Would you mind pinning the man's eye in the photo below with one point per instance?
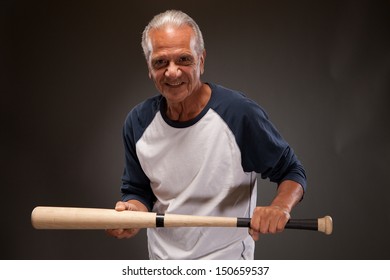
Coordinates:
(185, 60)
(159, 63)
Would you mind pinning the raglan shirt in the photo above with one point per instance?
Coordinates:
(206, 166)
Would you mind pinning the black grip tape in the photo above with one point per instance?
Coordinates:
(307, 224)
(243, 222)
(159, 220)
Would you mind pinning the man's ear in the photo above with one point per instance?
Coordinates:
(202, 61)
(149, 70)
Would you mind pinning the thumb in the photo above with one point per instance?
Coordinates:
(124, 205)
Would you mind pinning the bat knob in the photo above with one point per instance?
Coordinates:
(325, 225)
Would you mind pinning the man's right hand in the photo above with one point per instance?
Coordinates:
(130, 205)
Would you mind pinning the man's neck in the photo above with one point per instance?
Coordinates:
(191, 107)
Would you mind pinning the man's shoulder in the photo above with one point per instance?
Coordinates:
(234, 102)
(148, 106)
(226, 94)
(144, 111)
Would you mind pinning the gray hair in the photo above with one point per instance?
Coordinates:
(176, 18)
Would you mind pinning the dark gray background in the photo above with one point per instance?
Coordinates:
(71, 71)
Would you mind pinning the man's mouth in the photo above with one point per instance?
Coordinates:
(174, 84)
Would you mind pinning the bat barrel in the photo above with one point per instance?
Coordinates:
(43, 217)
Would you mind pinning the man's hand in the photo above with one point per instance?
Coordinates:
(270, 219)
(131, 205)
(273, 218)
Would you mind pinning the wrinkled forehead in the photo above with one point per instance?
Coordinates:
(171, 37)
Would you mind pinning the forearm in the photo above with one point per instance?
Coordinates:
(288, 195)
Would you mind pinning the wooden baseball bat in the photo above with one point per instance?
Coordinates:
(45, 217)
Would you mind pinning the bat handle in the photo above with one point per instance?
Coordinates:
(324, 224)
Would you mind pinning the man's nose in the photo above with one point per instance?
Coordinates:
(172, 71)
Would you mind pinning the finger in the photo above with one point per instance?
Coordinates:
(255, 222)
(255, 234)
(282, 223)
(264, 225)
(120, 206)
(109, 232)
(114, 232)
(128, 233)
(122, 233)
(274, 225)
(131, 206)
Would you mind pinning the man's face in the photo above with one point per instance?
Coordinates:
(174, 66)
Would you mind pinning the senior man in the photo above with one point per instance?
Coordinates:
(196, 148)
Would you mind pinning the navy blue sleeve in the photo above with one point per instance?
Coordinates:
(263, 150)
(135, 183)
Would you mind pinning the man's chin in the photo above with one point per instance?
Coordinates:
(174, 95)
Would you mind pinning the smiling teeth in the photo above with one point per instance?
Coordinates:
(175, 84)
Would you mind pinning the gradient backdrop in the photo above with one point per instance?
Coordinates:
(71, 71)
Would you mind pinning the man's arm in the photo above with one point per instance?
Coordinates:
(273, 218)
(288, 195)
